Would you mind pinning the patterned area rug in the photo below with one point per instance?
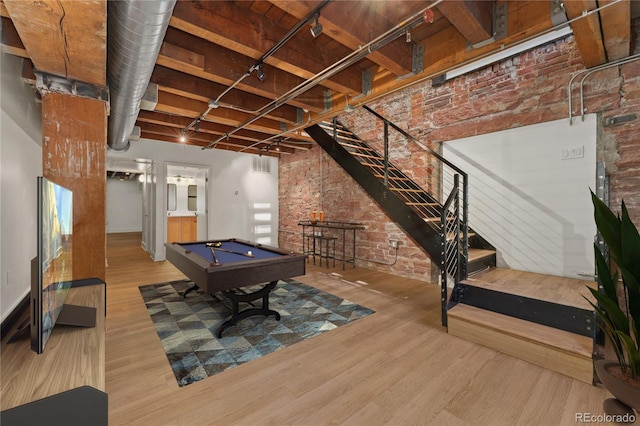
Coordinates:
(187, 326)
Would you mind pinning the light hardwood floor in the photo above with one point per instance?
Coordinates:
(397, 366)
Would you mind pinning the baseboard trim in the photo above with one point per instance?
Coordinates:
(15, 315)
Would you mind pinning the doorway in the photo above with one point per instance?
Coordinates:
(186, 206)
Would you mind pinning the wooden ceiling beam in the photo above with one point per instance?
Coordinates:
(474, 19)
(201, 143)
(177, 123)
(616, 29)
(252, 35)
(354, 24)
(447, 48)
(11, 42)
(64, 37)
(187, 53)
(587, 32)
(205, 138)
(173, 104)
(3, 10)
(187, 85)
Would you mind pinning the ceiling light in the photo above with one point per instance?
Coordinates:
(183, 136)
(260, 73)
(316, 30)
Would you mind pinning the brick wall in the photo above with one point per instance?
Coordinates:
(527, 89)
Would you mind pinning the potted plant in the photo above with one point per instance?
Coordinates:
(618, 307)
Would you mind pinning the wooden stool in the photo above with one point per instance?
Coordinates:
(310, 248)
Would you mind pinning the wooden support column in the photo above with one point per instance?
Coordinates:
(74, 143)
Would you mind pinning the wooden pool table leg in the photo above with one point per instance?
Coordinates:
(236, 298)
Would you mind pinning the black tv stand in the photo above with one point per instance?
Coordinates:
(23, 329)
(77, 316)
(72, 315)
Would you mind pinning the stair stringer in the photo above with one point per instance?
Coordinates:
(426, 236)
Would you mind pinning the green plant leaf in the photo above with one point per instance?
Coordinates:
(608, 225)
(630, 244)
(633, 356)
(611, 311)
(604, 274)
(608, 329)
(632, 292)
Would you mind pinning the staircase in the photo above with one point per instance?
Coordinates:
(519, 313)
(539, 318)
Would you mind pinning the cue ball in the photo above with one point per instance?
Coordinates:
(249, 253)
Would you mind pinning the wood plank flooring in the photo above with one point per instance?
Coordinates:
(398, 366)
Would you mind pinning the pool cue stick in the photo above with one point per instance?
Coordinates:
(228, 251)
(215, 258)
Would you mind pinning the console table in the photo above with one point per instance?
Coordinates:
(71, 367)
(332, 225)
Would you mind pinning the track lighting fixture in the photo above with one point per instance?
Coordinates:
(260, 72)
(316, 30)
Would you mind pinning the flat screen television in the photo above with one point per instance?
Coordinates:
(51, 270)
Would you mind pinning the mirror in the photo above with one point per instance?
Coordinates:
(171, 197)
(192, 198)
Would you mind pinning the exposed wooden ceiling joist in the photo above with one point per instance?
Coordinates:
(211, 48)
(67, 38)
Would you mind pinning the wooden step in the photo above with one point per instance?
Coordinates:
(369, 156)
(402, 178)
(477, 254)
(378, 166)
(556, 350)
(562, 290)
(422, 204)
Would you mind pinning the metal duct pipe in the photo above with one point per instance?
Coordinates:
(135, 30)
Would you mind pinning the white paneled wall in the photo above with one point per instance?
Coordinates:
(529, 194)
(124, 206)
(233, 188)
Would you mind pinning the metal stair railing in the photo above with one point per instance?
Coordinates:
(450, 264)
(447, 171)
(448, 219)
(402, 185)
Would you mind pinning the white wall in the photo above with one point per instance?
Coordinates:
(20, 164)
(232, 190)
(528, 199)
(124, 206)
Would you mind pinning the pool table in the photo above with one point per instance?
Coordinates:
(225, 266)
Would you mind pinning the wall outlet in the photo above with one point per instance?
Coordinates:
(393, 243)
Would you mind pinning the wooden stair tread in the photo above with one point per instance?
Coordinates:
(356, 146)
(475, 253)
(422, 204)
(551, 288)
(360, 154)
(380, 166)
(557, 350)
(393, 177)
